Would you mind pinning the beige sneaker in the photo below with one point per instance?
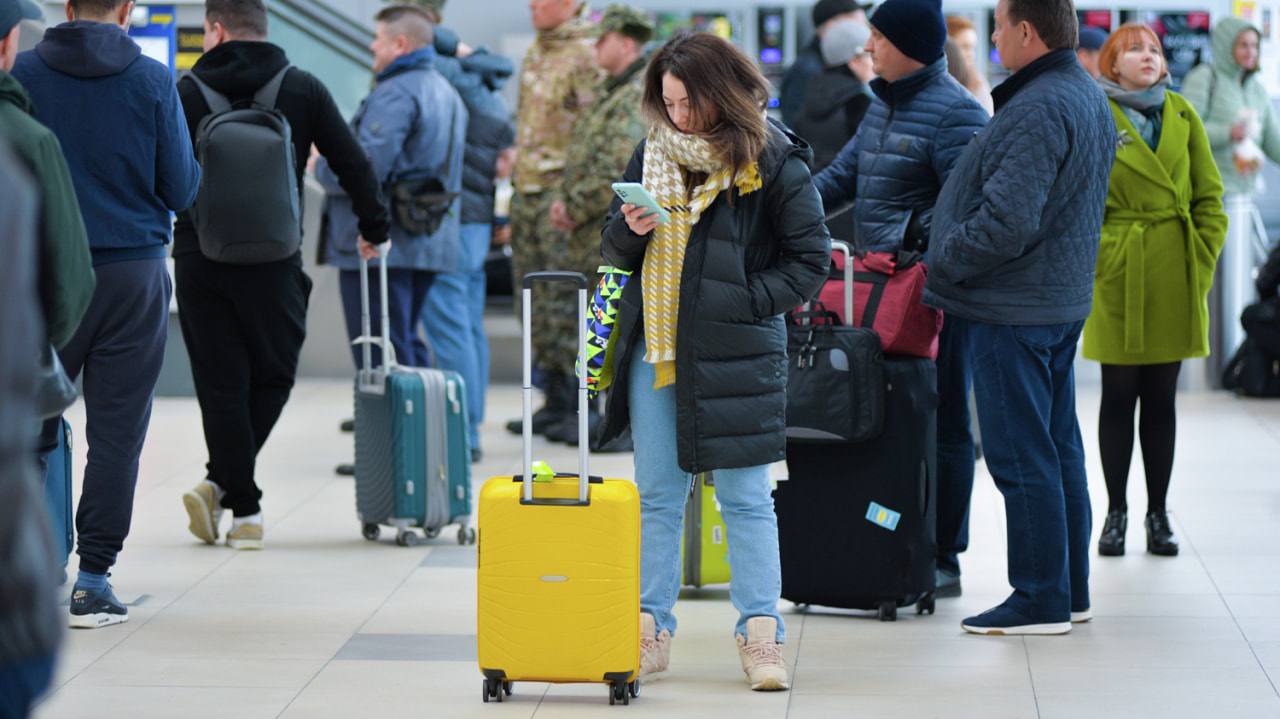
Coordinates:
(246, 536)
(761, 656)
(204, 511)
(655, 649)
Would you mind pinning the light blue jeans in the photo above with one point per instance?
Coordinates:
(746, 500)
(453, 319)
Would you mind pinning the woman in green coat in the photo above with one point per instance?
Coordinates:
(1163, 231)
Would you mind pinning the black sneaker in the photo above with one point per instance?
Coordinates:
(93, 610)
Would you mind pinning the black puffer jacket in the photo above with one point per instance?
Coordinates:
(745, 265)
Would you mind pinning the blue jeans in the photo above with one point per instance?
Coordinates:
(453, 318)
(406, 293)
(955, 447)
(1024, 381)
(22, 683)
(746, 501)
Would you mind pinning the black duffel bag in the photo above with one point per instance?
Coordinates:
(835, 380)
(1261, 322)
(1253, 372)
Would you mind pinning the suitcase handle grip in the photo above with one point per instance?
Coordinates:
(584, 437)
(844, 249)
(370, 379)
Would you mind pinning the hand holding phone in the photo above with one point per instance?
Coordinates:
(633, 193)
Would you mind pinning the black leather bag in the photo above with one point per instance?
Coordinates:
(1253, 372)
(1261, 322)
(421, 205)
(55, 391)
(835, 380)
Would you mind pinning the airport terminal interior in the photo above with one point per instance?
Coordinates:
(327, 623)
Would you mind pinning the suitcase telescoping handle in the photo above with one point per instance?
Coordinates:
(844, 249)
(370, 379)
(526, 311)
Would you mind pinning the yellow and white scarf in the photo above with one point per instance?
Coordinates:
(666, 153)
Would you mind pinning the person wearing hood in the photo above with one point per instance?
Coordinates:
(927, 118)
(412, 126)
(703, 389)
(244, 324)
(1232, 100)
(558, 82)
(118, 117)
(453, 318)
(1161, 236)
(809, 63)
(66, 278)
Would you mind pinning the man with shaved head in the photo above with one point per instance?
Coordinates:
(413, 128)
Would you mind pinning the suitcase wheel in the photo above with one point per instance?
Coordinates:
(926, 605)
(494, 689)
(634, 688)
(371, 532)
(619, 693)
(432, 533)
(888, 612)
(506, 688)
(406, 538)
(466, 535)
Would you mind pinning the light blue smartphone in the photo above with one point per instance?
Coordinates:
(633, 193)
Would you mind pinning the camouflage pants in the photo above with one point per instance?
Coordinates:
(537, 246)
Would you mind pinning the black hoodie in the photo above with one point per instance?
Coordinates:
(238, 69)
(834, 104)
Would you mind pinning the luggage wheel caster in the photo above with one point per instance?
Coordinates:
(466, 535)
(619, 693)
(495, 689)
(431, 533)
(506, 688)
(371, 532)
(407, 539)
(926, 605)
(888, 612)
(634, 688)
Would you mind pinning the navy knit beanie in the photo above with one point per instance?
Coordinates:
(916, 27)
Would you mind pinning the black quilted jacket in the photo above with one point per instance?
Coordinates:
(1016, 228)
(745, 265)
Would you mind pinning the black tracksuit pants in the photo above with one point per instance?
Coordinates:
(243, 326)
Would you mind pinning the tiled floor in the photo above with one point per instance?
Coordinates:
(325, 624)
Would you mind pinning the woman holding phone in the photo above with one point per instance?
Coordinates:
(1163, 231)
(701, 352)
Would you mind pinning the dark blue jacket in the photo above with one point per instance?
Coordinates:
(895, 166)
(1016, 229)
(479, 79)
(122, 130)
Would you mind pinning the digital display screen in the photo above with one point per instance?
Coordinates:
(770, 55)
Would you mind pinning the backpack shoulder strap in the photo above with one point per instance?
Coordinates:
(216, 101)
(267, 95)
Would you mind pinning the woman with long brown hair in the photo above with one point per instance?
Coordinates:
(700, 359)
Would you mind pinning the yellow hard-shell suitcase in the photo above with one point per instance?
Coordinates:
(558, 598)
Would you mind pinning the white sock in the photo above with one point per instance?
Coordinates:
(238, 522)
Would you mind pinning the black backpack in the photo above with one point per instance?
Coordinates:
(247, 211)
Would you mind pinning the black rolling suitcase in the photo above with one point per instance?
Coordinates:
(856, 521)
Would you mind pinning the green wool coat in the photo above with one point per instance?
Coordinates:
(1163, 231)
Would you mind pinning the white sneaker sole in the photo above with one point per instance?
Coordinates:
(245, 544)
(1024, 630)
(1082, 617)
(771, 684)
(96, 621)
(201, 518)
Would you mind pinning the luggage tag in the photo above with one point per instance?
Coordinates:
(542, 472)
(883, 517)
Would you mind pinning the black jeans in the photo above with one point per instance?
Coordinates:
(243, 326)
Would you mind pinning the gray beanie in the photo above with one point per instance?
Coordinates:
(844, 41)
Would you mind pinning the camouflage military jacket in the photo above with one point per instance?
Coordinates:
(604, 139)
(557, 80)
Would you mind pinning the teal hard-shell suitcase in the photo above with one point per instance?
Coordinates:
(413, 454)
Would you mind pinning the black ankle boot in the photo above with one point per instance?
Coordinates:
(560, 402)
(1160, 539)
(1111, 543)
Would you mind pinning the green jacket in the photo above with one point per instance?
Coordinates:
(605, 136)
(66, 276)
(1161, 236)
(1219, 92)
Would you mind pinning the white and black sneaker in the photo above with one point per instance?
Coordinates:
(93, 610)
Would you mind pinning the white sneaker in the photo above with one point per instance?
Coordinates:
(1082, 617)
(761, 656)
(655, 649)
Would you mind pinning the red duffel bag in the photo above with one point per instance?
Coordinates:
(887, 291)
